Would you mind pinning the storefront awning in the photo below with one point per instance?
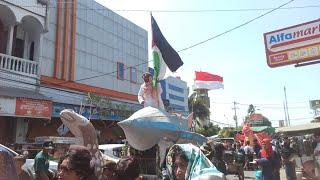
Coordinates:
(300, 129)
(16, 92)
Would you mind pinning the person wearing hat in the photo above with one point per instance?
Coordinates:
(149, 95)
(41, 162)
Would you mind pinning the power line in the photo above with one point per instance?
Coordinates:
(175, 11)
(202, 42)
(105, 74)
(189, 47)
(265, 105)
(234, 28)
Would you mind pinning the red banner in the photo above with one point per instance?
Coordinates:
(33, 108)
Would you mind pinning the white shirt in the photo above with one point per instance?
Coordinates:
(150, 99)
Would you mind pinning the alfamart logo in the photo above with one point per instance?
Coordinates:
(302, 33)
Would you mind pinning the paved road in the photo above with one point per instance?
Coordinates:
(251, 175)
(247, 175)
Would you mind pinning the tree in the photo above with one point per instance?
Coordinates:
(200, 111)
(209, 130)
(102, 106)
(227, 132)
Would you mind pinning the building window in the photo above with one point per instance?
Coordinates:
(176, 107)
(133, 74)
(120, 70)
(175, 88)
(178, 98)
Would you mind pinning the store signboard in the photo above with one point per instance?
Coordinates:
(295, 44)
(33, 108)
(7, 106)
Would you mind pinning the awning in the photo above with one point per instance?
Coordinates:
(266, 129)
(300, 129)
(16, 92)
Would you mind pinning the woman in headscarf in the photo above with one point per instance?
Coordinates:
(186, 162)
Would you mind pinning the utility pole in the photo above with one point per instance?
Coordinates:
(235, 113)
(285, 113)
(285, 96)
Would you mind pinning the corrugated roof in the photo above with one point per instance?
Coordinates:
(16, 92)
(303, 128)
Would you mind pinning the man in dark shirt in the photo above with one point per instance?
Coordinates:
(287, 155)
(41, 162)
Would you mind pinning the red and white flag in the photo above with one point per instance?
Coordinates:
(209, 81)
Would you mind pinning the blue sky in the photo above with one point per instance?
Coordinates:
(238, 56)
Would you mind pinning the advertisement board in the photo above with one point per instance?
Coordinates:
(7, 106)
(33, 108)
(295, 44)
(315, 104)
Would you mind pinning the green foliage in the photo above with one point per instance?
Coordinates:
(227, 132)
(210, 130)
(102, 106)
(198, 107)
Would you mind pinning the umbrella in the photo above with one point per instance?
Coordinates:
(146, 127)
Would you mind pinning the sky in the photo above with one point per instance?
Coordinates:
(238, 56)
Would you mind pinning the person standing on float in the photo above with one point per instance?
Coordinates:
(149, 95)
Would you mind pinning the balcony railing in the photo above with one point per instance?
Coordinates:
(19, 65)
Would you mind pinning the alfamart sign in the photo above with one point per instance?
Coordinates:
(295, 44)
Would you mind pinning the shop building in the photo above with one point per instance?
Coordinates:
(60, 51)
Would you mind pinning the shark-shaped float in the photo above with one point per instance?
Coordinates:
(150, 126)
(144, 129)
(84, 131)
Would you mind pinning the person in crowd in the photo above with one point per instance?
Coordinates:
(270, 162)
(186, 162)
(287, 154)
(41, 162)
(75, 165)
(239, 155)
(316, 152)
(149, 95)
(276, 158)
(248, 150)
(127, 169)
(109, 169)
(265, 162)
(22, 171)
(217, 160)
(7, 165)
(256, 147)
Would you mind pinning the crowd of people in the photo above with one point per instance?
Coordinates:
(182, 161)
(267, 157)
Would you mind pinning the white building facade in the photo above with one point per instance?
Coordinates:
(59, 51)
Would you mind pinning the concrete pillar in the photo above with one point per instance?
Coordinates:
(26, 46)
(21, 130)
(10, 40)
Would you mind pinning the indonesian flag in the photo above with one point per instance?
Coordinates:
(209, 81)
(163, 54)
